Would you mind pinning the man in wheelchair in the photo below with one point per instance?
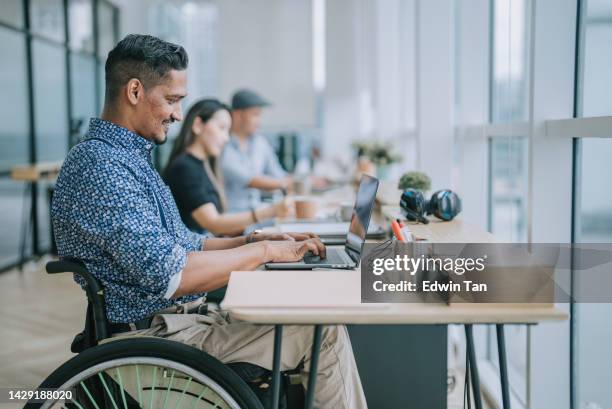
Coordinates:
(112, 210)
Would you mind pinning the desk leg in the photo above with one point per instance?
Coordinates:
(314, 363)
(469, 336)
(276, 373)
(26, 222)
(503, 368)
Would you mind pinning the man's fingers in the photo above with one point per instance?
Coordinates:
(320, 247)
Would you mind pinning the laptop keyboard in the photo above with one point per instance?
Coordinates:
(332, 257)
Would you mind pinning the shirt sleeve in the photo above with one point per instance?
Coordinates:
(173, 285)
(131, 232)
(234, 171)
(272, 166)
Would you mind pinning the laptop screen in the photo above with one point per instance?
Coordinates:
(360, 220)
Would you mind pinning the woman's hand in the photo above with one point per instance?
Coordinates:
(255, 237)
(283, 208)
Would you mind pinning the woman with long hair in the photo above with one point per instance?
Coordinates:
(194, 177)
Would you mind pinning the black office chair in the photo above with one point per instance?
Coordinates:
(147, 371)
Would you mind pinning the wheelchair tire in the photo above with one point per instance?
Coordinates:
(185, 366)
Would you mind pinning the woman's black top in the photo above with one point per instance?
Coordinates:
(191, 188)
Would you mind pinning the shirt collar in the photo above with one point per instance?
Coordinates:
(236, 143)
(118, 135)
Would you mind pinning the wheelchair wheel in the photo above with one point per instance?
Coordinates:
(146, 373)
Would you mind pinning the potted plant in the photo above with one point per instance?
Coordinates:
(414, 180)
(379, 154)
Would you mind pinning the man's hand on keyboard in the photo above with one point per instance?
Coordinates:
(290, 251)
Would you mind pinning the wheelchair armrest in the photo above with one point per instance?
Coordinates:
(66, 266)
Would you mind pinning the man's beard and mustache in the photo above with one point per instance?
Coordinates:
(166, 125)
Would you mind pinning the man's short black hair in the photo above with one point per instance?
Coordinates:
(144, 57)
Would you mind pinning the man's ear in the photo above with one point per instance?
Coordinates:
(134, 91)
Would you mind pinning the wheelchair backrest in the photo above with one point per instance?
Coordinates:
(94, 290)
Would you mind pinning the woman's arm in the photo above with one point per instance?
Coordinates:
(232, 224)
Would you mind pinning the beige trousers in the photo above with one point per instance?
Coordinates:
(338, 385)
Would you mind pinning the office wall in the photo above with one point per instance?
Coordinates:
(267, 45)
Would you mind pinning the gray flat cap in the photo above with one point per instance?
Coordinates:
(246, 98)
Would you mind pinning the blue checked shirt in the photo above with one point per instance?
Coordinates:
(112, 211)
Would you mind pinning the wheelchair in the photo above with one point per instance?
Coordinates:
(149, 372)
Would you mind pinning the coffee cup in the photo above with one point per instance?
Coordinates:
(305, 207)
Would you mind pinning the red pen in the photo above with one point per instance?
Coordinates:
(397, 231)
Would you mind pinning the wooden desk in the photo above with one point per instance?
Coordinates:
(32, 174)
(334, 297)
(36, 172)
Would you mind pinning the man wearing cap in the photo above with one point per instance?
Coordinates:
(248, 162)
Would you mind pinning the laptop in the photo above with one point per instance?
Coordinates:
(349, 256)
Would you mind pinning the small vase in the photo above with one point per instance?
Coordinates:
(383, 172)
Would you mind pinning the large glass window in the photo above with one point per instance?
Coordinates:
(80, 24)
(597, 65)
(509, 173)
(12, 212)
(593, 211)
(106, 24)
(83, 86)
(55, 127)
(50, 101)
(47, 18)
(508, 159)
(14, 126)
(510, 67)
(12, 12)
(593, 224)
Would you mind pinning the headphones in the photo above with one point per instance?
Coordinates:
(444, 204)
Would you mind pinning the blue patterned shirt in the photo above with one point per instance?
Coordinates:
(112, 211)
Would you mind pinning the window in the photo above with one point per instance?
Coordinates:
(12, 208)
(508, 159)
(47, 19)
(50, 101)
(12, 13)
(509, 188)
(593, 210)
(54, 126)
(83, 86)
(593, 224)
(14, 125)
(510, 79)
(80, 23)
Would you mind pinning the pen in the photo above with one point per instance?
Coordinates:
(397, 231)
(406, 234)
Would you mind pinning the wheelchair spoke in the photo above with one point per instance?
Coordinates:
(199, 397)
(140, 402)
(168, 391)
(121, 386)
(178, 404)
(89, 395)
(110, 395)
(153, 386)
(77, 404)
